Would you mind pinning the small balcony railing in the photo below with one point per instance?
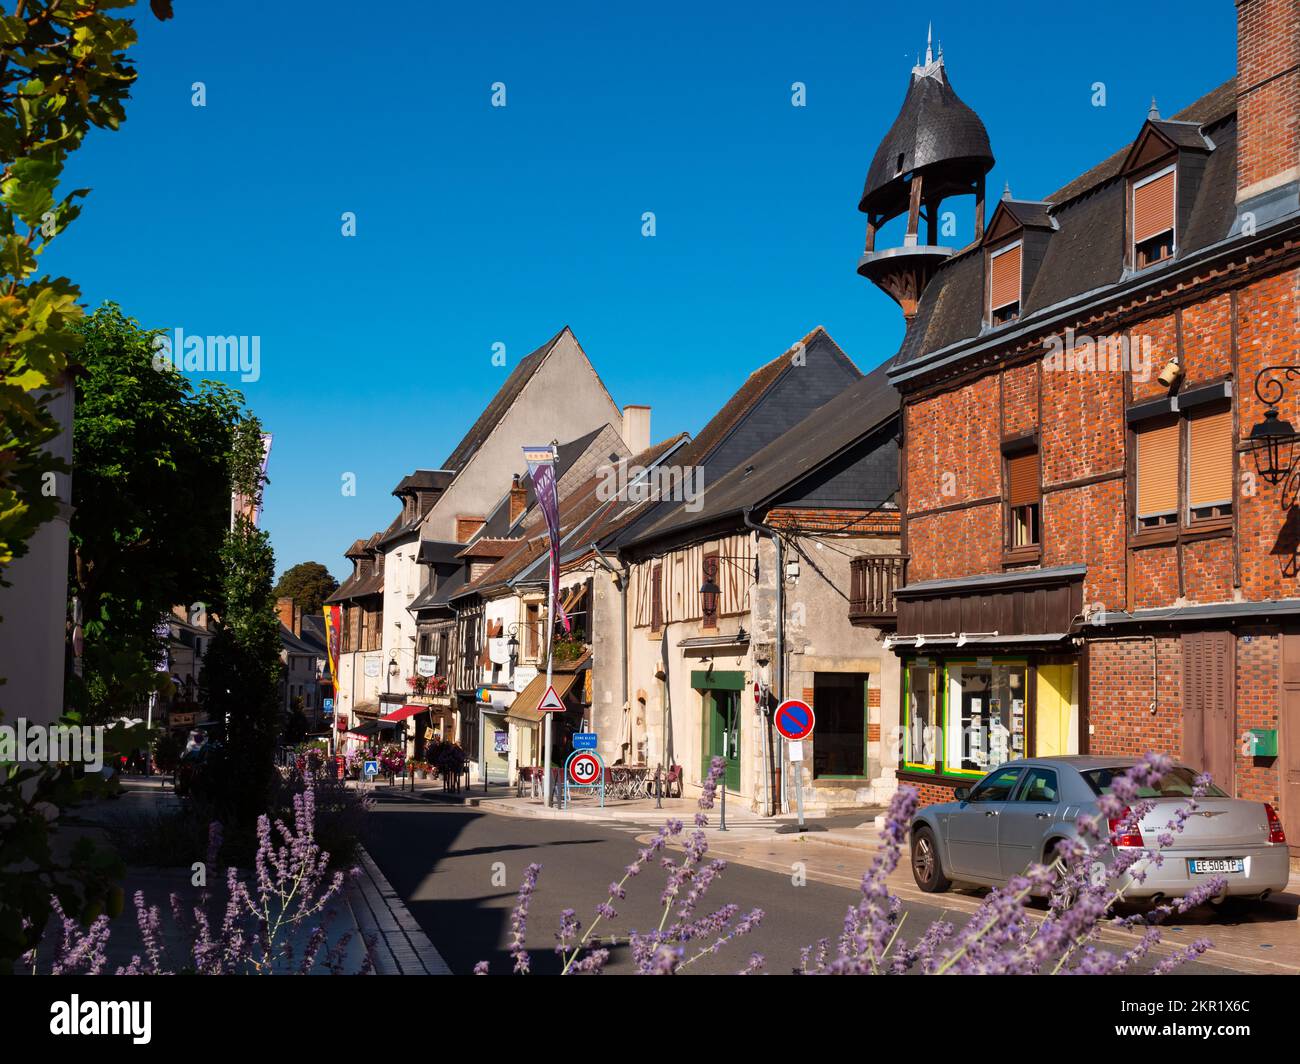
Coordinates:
(873, 579)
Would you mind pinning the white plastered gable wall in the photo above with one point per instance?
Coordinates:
(563, 399)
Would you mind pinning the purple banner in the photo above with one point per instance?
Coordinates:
(541, 467)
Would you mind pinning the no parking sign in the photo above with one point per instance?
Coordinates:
(794, 719)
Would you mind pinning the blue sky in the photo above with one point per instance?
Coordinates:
(478, 225)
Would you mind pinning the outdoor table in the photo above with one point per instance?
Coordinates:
(628, 781)
(530, 781)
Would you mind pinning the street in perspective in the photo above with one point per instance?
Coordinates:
(649, 491)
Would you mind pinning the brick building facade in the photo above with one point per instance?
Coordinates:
(1095, 563)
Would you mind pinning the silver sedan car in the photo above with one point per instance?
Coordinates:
(1016, 814)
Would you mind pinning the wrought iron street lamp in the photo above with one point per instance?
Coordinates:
(709, 590)
(1273, 440)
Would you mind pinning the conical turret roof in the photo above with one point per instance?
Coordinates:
(935, 133)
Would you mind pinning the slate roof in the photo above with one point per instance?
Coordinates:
(1210, 109)
(500, 403)
(1085, 253)
(584, 517)
(1028, 213)
(425, 479)
(433, 551)
(774, 398)
(357, 586)
(860, 410)
(498, 522)
(294, 645)
(933, 126)
(313, 629)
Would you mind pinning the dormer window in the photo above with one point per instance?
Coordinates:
(1004, 284)
(1153, 200)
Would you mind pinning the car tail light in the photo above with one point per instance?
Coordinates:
(1275, 832)
(1119, 835)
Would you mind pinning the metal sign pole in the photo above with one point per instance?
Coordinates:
(148, 736)
(550, 642)
(798, 787)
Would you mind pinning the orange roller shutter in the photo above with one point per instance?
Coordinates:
(1004, 277)
(1209, 463)
(1153, 207)
(1022, 479)
(1157, 470)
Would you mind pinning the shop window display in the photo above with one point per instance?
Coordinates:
(922, 716)
(986, 715)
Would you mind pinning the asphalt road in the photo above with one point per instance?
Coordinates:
(458, 871)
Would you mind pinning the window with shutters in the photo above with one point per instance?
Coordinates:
(1023, 500)
(1004, 284)
(1153, 201)
(1157, 474)
(1210, 466)
(532, 631)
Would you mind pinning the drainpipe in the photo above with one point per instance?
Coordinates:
(778, 677)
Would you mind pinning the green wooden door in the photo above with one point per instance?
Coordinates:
(722, 723)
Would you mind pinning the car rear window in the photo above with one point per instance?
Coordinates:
(1176, 783)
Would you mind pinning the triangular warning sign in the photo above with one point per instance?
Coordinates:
(551, 702)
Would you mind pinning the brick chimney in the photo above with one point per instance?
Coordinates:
(636, 428)
(1268, 95)
(284, 607)
(518, 499)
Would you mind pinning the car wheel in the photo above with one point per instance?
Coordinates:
(1062, 893)
(927, 869)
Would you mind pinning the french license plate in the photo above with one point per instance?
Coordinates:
(1215, 865)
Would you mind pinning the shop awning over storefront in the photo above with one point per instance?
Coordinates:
(405, 712)
(713, 642)
(524, 708)
(368, 728)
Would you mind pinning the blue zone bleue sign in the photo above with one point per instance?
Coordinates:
(584, 740)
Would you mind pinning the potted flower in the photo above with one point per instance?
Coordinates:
(392, 760)
(569, 647)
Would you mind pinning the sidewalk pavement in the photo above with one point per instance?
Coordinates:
(371, 910)
(1254, 937)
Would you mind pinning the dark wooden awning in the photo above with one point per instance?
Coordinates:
(1045, 603)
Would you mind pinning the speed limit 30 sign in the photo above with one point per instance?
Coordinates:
(584, 769)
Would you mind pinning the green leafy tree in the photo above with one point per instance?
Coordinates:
(240, 681)
(151, 505)
(63, 71)
(309, 584)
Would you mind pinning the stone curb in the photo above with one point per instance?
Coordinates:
(398, 946)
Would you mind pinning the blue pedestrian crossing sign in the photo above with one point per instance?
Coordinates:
(371, 769)
(794, 719)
